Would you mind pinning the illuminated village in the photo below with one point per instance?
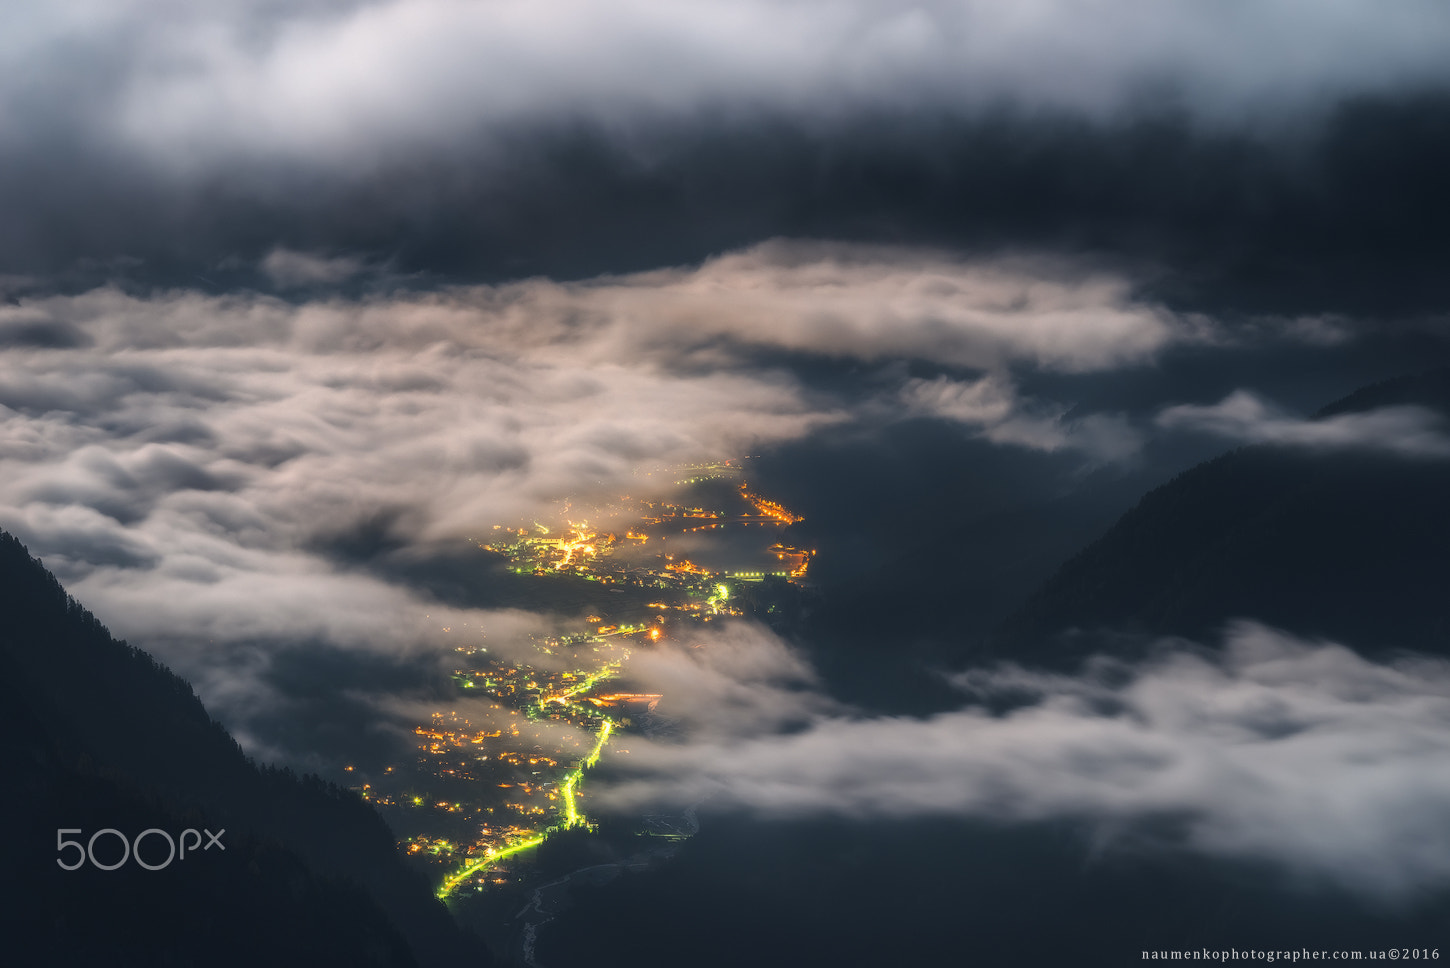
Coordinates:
(507, 768)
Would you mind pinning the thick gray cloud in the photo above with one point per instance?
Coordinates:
(1300, 753)
(1407, 431)
(1272, 158)
(349, 82)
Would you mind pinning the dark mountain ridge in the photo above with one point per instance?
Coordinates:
(1348, 544)
(101, 735)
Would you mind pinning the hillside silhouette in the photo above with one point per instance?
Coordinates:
(1347, 544)
(98, 734)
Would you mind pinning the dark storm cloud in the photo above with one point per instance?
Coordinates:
(1271, 157)
(343, 82)
(1344, 219)
(1300, 753)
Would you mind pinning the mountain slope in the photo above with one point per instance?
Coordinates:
(1349, 545)
(99, 735)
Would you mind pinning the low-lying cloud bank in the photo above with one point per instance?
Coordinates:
(189, 464)
(1242, 417)
(1301, 753)
(210, 474)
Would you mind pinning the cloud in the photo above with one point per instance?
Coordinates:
(1405, 431)
(991, 405)
(166, 145)
(289, 269)
(877, 303)
(155, 141)
(733, 680)
(1300, 753)
(346, 81)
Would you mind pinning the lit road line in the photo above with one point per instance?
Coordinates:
(571, 818)
(451, 882)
